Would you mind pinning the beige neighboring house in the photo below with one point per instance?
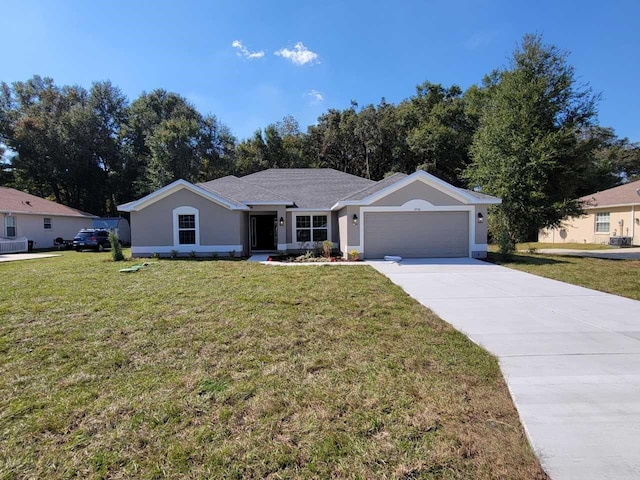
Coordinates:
(417, 215)
(41, 221)
(610, 214)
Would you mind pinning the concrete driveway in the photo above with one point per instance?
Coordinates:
(12, 257)
(570, 356)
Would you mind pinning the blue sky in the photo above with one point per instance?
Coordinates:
(360, 50)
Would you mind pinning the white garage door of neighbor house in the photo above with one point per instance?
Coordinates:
(416, 234)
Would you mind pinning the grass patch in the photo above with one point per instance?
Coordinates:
(235, 370)
(620, 277)
(529, 246)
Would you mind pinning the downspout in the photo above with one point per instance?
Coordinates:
(633, 224)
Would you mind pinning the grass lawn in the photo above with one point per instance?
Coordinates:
(620, 277)
(526, 246)
(226, 369)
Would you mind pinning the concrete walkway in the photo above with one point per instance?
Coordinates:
(570, 356)
(632, 253)
(12, 257)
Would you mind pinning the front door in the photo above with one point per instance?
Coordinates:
(263, 232)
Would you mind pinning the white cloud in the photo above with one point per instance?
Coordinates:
(480, 40)
(244, 52)
(300, 55)
(315, 96)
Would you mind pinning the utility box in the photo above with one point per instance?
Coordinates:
(117, 224)
(620, 241)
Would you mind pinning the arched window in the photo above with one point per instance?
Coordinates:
(186, 226)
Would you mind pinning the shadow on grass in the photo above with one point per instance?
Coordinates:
(499, 259)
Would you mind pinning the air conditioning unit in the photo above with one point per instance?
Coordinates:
(620, 241)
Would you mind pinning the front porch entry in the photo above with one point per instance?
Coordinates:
(263, 232)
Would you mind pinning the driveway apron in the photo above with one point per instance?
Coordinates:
(570, 357)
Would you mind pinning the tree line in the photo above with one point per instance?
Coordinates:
(527, 133)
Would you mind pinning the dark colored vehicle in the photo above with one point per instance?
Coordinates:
(91, 238)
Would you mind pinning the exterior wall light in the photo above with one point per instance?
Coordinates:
(354, 219)
(281, 221)
(480, 218)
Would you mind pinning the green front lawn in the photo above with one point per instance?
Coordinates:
(529, 246)
(620, 277)
(219, 369)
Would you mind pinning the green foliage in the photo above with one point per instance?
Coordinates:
(268, 376)
(116, 248)
(527, 149)
(327, 246)
(524, 134)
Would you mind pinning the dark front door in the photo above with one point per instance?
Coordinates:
(263, 232)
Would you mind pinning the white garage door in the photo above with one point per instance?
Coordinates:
(416, 234)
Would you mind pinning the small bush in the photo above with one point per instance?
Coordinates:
(116, 248)
(354, 255)
(327, 246)
(174, 254)
(505, 244)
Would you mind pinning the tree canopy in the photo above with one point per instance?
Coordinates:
(527, 133)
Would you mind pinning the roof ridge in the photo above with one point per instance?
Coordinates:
(372, 185)
(45, 207)
(240, 179)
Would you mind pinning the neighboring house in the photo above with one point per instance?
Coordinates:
(415, 215)
(37, 219)
(118, 224)
(610, 213)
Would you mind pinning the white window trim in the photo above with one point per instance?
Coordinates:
(50, 223)
(185, 210)
(14, 226)
(294, 222)
(595, 223)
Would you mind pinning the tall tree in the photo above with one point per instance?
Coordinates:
(527, 148)
(440, 133)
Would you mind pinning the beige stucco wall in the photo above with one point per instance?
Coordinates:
(582, 229)
(32, 227)
(415, 190)
(481, 228)
(280, 211)
(153, 225)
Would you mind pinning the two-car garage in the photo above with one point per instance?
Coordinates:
(416, 234)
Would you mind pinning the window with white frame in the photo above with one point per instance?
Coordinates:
(186, 229)
(10, 226)
(47, 223)
(602, 222)
(312, 228)
(185, 226)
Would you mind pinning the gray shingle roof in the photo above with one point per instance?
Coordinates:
(478, 195)
(317, 188)
(240, 190)
(313, 188)
(376, 187)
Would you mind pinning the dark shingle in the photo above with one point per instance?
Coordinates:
(317, 188)
(240, 190)
(375, 188)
